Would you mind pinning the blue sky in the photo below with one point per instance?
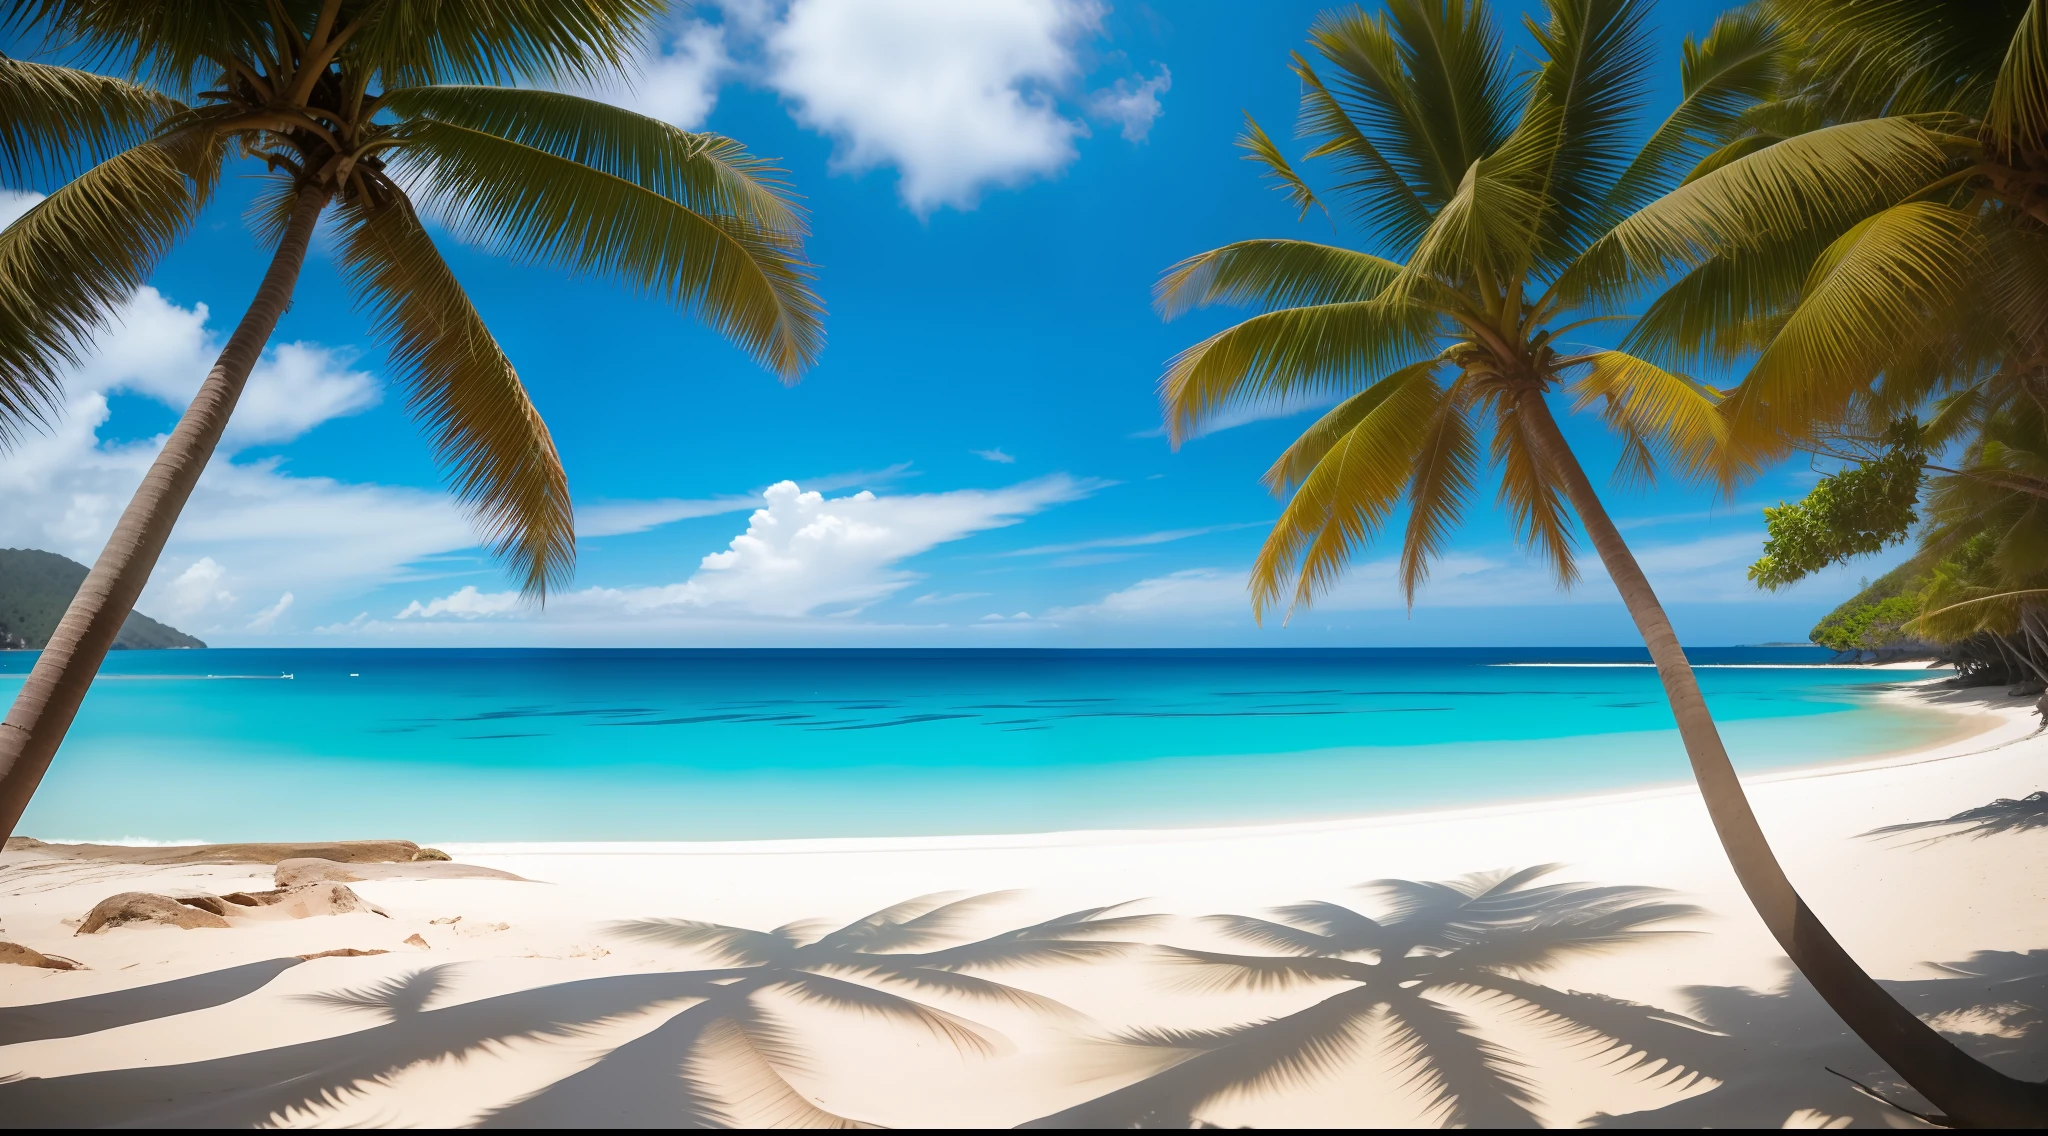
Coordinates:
(994, 188)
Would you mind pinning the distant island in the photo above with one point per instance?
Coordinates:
(36, 587)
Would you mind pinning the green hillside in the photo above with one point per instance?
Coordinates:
(35, 588)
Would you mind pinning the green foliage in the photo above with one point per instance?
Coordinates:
(1870, 620)
(1852, 513)
(36, 587)
(1499, 196)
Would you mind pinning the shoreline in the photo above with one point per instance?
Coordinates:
(509, 976)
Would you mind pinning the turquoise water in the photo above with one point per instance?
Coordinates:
(689, 745)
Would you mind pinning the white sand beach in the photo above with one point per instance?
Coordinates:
(527, 1005)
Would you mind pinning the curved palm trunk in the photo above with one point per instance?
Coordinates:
(42, 712)
(1969, 1092)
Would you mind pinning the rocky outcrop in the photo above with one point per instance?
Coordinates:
(18, 955)
(307, 870)
(324, 897)
(132, 907)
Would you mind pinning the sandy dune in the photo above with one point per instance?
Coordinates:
(531, 1004)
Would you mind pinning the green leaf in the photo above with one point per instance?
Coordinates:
(484, 430)
(56, 120)
(1273, 274)
(749, 283)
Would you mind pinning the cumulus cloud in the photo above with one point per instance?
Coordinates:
(1131, 104)
(956, 96)
(162, 351)
(617, 518)
(802, 554)
(198, 591)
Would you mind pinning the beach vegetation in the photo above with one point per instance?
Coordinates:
(363, 113)
(1517, 209)
(1404, 982)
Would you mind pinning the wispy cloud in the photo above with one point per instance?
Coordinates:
(1139, 540)
(995, 455)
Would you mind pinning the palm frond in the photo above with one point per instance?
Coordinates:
(2017, 118)
(1446, 467)
(1260, 148)
(1884, 274)
(1348, 494)
(1292, 353)
(1533, 498)
(533, 41)
(710, 174)
(1738, 62)
(1425, 78)
(71, 261)
(1832, 176)
(54, 120)
(1272, 274)
(1348, 930)
(751, 284)
(1299, 459)
(1595, 54)
(1377, 193)
(1644, 401)
(483, 428)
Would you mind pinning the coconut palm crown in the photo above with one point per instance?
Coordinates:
(368, 111)
(1490, 189)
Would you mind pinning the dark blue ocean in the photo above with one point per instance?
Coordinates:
(488, 745)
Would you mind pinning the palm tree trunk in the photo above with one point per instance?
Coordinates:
(1970, 1093)
(48, 701)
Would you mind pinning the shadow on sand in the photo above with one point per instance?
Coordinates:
(722, 1058)
(1773, 1051)
(2000, 816)
(93, 1013)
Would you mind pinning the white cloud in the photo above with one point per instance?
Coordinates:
(955, 96)
(162, 351)
(617, 518)
(941, 598)
(1132, 105)
(676, 78)
(995, 455)
(197, 590)
(266, 618)
(467, 603)
(802, 554)
(1135, 541)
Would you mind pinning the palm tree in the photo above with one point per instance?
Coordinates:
(727, 1054)
(1477, 937)
(1517, 212)
(362, 105)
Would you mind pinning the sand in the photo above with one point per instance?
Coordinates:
(523, 1002)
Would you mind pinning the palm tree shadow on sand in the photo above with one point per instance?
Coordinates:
(1784, 1056)
(722, 1059)
(1474, 939)
(728, 1060)
(2000, 816)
